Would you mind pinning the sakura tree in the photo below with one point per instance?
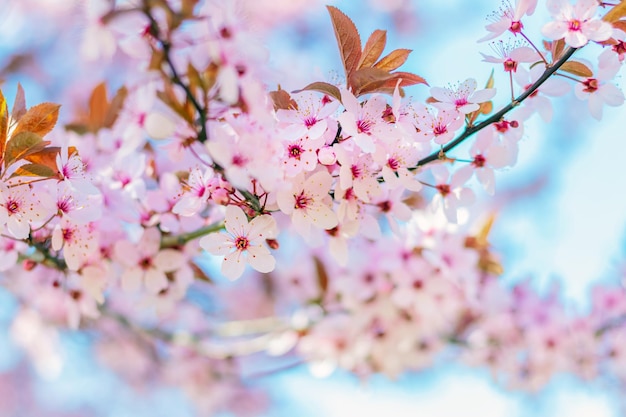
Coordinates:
(190, 216)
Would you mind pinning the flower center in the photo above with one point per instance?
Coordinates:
(310, 121)
(444, 189)
(145, 263)
(13, 206)
(440, 130)
(302, 201)
(363, 126)
(574, 25)
(393, 163)
(295, 151)
(510, 65)
(591, 85)
(242, 243)
(356, 171)
(479, 161)
(516, 27)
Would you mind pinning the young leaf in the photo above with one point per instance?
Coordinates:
(34, 170)
(98, 105)
(322, 276)
(322, 87)
(347, 38)
(620, 24)
(373, 48)
(577, 68)
(367, 80)
(393, 60)
(48, 156)
(4, 122)
(21, 145)
(39, 119)
(616, 13)
(19, 105)
(282, 100)
(558, 47)
(408, 78)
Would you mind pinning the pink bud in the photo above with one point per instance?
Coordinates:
(326, 156)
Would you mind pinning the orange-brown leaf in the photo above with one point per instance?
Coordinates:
(114, 107)
(367, 80)
(322, 87)
(48, 156)
(373, 48)
(39, 119)
(322, 275)
(347, 38)
(557, 49)
(19, 104)
(408, 78)
(98, 105)
(616, 13)
(4, 122)
(21, 145)
(620, 24)
(35, 170)
(393, 60)
(577, 68)
(282, 100)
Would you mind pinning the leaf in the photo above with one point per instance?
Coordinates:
(367, 80)
(187, 6)
(282, 100)
(408, 78)
(322, 87)
(39, 119)
(557, 49)
(4, 122)
(23, 144)
(373, 48)
(348, 39)
(322, 276)
(620, 24)
(486, 107)
(577, 68)
(616, 13)
(48, 156)
(35, 170)
(393, 60)
(98, 104)
(490, 81)
(114, 107)
(19, 105)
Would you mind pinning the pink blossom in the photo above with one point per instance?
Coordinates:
(576, 23)
(243, 242)
(146, 262)
(308, 202)
(464, 98)
(599, 91)
(363, 123)
(509, 18)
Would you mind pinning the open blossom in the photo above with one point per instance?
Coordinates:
(243, 242)
(197, 193)
(146, 262)
(440, 127)
(308, 202)
(509, 18)
(599, 91)
(510, 55)
(78, 241)
(464, 98)
(19, 208)
(576, 23)
(363, 123)
(309, 118)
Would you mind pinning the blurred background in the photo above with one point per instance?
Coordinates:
(560, 213)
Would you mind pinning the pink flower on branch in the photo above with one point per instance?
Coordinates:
(509, 18)
(576, 23)
(243, 242)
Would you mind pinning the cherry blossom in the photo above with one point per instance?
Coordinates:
(576, 23)
(464, 98)
(599, 91)
(242, 243)
(146, 263)
(509, 18)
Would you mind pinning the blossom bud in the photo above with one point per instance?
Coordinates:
(28, 264)
(272, 243)
(326, 156)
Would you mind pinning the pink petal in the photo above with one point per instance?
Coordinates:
(131, 279)
(260, 259)
(217, 243)
(155, 280)
(169, 260)
(233, 265)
